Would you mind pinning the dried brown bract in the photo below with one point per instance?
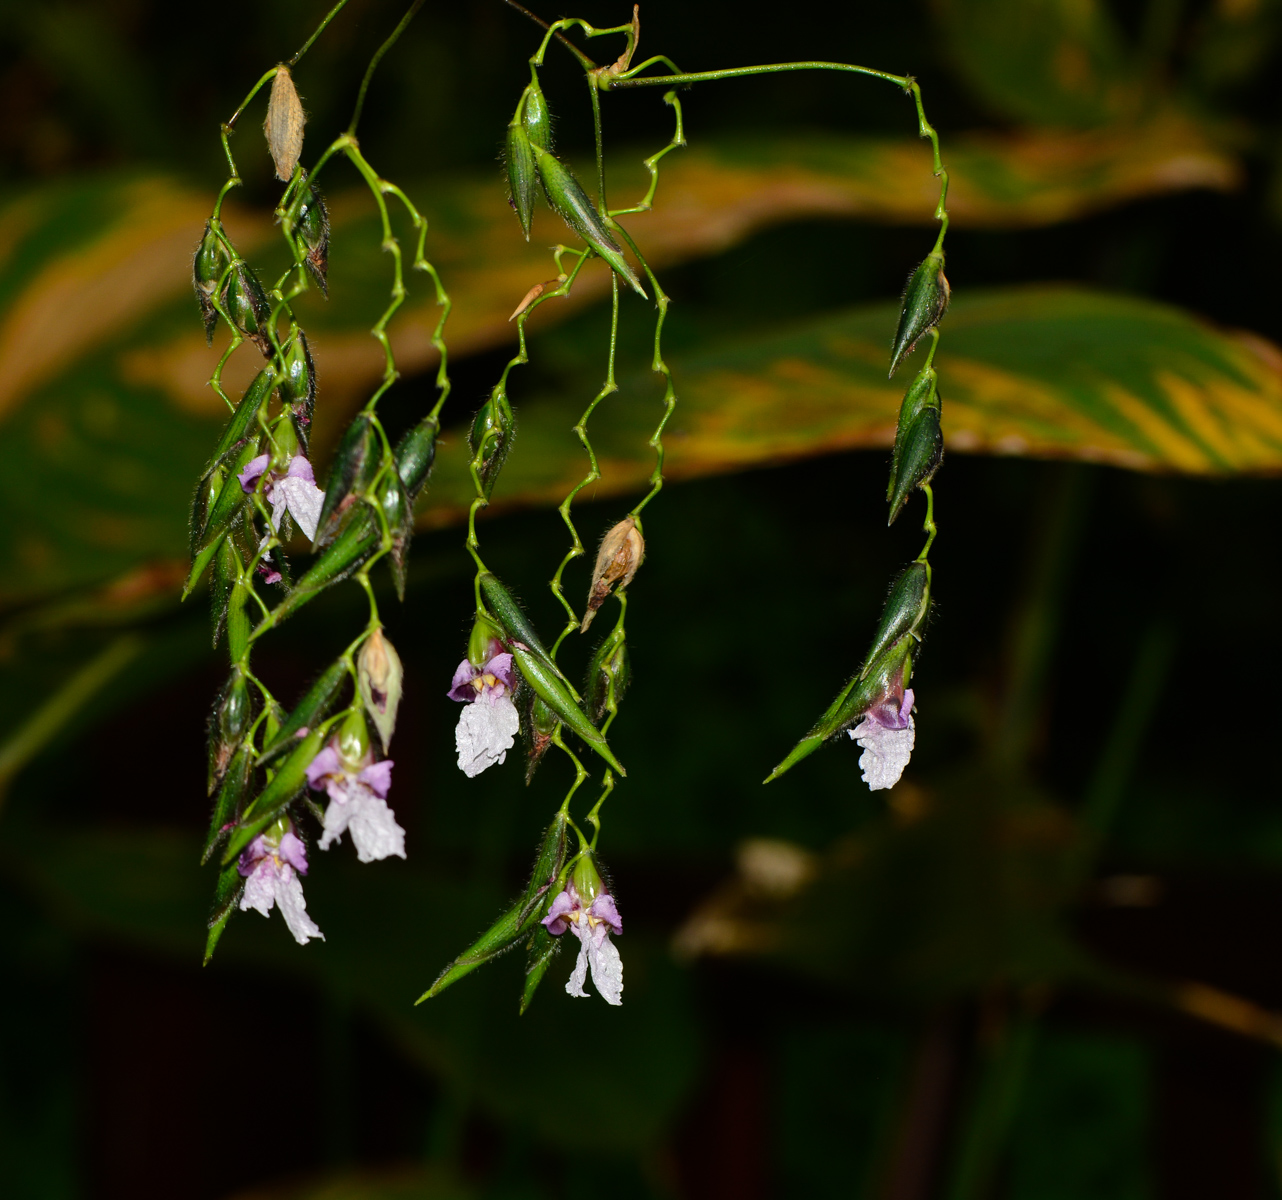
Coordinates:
(284, 124)
(617, 561)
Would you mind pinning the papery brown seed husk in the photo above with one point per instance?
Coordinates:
(622, 550)
(284, 124)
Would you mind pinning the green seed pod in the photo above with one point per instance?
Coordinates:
(229, 721)
(207, 270)
(518, 920)
(923, 451)
(313, 707)
(248, 306)
(510, 616)
(905, 609)
(924, 303)
(483, 642)
(226, 896)
(231, 795)
(608, 677)
(399, 514)
(557, 695)
(289, 780)
(538, 727)
(206, 493)
(238, 428)
(521, 175)
(353, 546)
(578, 212)
(313, 228)
(353, 738)
(536, 117)
(921, 392)
(238, 622)
(221, 579)
(298, 385)
(356, 462)
(490, 438)
(541, 949)
(415, 453)
(229, 504)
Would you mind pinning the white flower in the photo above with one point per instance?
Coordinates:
(488, 725)
(272, 868)
(592, 926)
(356, 802)
(887, 736)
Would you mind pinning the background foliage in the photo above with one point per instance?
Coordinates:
(1046, 969)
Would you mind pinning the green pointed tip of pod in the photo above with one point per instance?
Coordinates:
(580, 214)
(919, 459)
(542, 950)
(807, 745)
(903, 612)
(925, 300)
(921, 392)
(521, 175)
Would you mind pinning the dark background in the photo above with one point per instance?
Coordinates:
(883, 1062)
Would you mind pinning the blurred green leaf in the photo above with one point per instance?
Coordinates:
(405, 1184)
(1051, 62)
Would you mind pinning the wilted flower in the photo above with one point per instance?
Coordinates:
(271, 865)
(887, 735)
(294, 489)
(488, 725)
(592, 926)
(357, 802)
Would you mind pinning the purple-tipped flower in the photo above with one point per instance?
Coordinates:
(294, 489)
(271, 865)
(592, 926)
(887, 736)
(488, 725)
(357, 802)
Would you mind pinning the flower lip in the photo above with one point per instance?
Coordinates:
(492, 680)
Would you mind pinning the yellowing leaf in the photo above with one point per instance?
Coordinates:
(1039, 372)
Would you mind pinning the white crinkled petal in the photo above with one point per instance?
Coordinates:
(278, 499)
(375, 833)
(886, 752)
(304, 500)
(260, 888)
(485, 733)
(607, 969)
(578, 977)
(337, 815)
(293, 907)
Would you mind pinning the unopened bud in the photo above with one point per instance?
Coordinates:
(230, 720)
(248, 306)
(298, 385)
(484, 642)
(379, 675)
(521, 174)
(587, 879)
(313, 228)
(922, 452)
(355, 464)
(284, 124)
(353, 738)
(609, 674)
(905, 609)
(491, 437)
(207, 270)
(924, 303)
(622, 550)
(536, 117)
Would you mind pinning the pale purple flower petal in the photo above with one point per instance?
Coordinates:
(293, 852)
(300, 468)
(484, 735)
(377, 777)
(500, 668)
(557, 917)
(325, 763)
(461, 688)
(606, 911)
(253, 469)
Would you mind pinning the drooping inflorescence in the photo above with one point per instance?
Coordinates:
(267, 764)
(271, 768)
